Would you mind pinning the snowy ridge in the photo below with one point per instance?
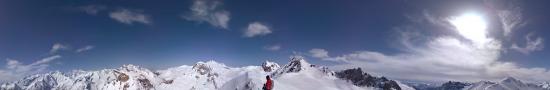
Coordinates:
(508, 83)
(270, 66)
(545, 85)
(298, 74)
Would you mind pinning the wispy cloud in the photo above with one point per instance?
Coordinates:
(210, 11)
(58, 47)
(276, 47)
(46, 60)
(531, 45)
(93, 9)
(16, 70)
(85, 48)
(128, 16)
(509, 14)
(256, 29)
(442, 57)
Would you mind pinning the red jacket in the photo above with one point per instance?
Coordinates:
(269, 84)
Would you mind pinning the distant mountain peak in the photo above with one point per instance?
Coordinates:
(359, 78)
(295, 65)
(209, 75)
(510, 79)
(268, 66)
(507, 83)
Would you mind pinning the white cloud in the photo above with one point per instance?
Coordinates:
(210, 11)
(46, 60)
(530, 45)
(509, 14)
(12, 63)
(273, 47)
(57, 47)
(93, 9)
(127, 16)
(85, 48)
(319, 53)
(16, 70)
(443, 57)
(256, 29)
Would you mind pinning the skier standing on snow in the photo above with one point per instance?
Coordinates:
(268, 84)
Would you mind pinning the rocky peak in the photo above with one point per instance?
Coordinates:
(268, 66)
(511, 80)
(295, 65)
(359, 78)
(452, 85)
(202, 68)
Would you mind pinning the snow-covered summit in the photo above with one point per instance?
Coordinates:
(298, 74)
(508, 83)
(545, 85)
(296, 64)
(268, 66)
(511, 80)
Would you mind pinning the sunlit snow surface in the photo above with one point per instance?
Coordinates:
(210, 75)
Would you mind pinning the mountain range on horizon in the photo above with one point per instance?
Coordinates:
(235, 44)
(298, 74)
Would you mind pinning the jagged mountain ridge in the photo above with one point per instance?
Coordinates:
(359, 78)
(208, 75)
(450, 85)
(508, 83)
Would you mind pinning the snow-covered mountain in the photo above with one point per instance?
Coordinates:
(508, 83)
(298, 74)
(450, 85)
(359, 78)
(545, 85)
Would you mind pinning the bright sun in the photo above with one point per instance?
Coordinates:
(472, 26)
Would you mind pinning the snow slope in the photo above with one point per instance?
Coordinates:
(298, 74)
(508, 83)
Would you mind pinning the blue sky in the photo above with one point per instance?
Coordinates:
(37, 36)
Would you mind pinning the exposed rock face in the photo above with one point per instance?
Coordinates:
(122, 77)
(202, 68)
(451, 85)
(295, 75)
(295, 65)
(270, 66)
(508, 83)
(359, 78)
(145, 83)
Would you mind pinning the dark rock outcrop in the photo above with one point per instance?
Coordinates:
(359, 78)
(451, 85)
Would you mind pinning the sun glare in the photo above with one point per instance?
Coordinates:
(471, 26)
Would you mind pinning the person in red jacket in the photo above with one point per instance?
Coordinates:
(268, 84)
